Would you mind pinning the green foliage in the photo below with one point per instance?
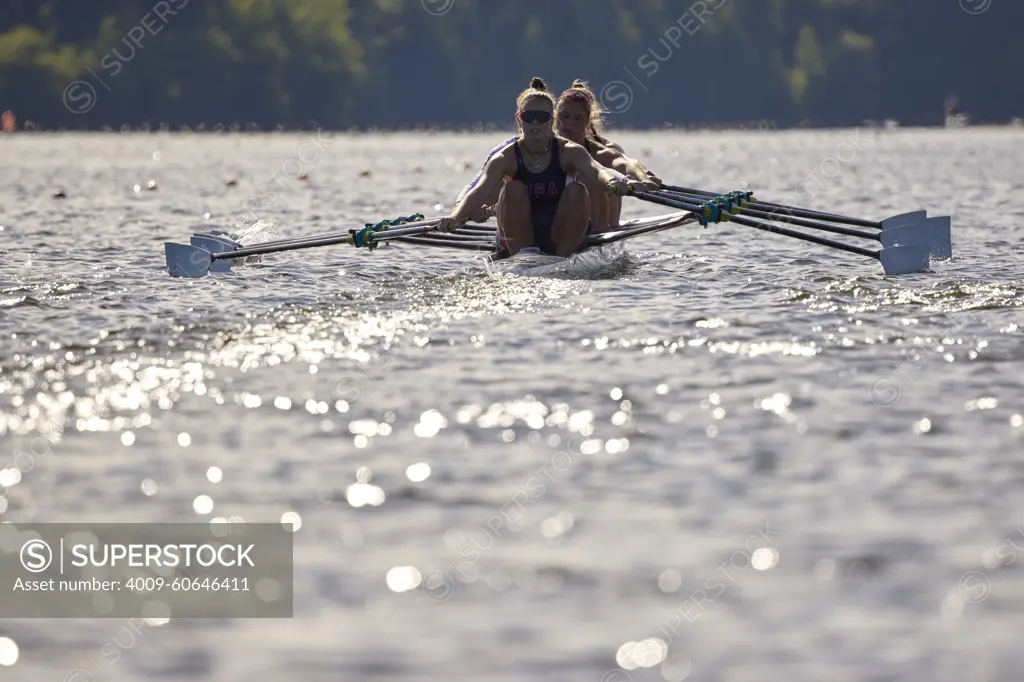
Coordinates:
(807, 53)
(851, 40)
(21, 45)
(393, 62)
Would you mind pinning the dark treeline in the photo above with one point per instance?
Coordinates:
(397, 63)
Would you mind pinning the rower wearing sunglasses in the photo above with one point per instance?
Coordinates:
(537, 208)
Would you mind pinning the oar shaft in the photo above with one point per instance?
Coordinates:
(272, 247)
(459, 237)
(834, 229)
(789, 210)
(814, 239)
(602, 238)
(475, 245)
(328, 235)
(400, 232)
(695, 208)
(476, 229)
(765, 228)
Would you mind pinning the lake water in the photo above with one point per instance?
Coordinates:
(735, 457)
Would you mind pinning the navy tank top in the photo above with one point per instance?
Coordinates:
(544, 187)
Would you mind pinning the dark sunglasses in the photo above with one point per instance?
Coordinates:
(534, 116)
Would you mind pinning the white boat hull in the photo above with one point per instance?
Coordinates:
(593, 258)
(589, 262)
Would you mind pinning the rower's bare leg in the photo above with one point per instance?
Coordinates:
(607, 216)
(598, 210)
(614, 210)
(570, 225)
(514, 224)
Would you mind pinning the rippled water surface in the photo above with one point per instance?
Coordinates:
(734, 457)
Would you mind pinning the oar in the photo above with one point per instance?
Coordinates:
(454, 237)
(474, 245)
(324, 235)
(215, 244)
(477, 229)
(938, 228)
(628, 232)
(185, 260)
(896, 260)
(895, 234)
(790, 210)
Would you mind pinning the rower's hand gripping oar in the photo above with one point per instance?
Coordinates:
(451, 223)
(625, 186)
(896, 260)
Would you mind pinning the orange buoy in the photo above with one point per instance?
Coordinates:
(8, 122)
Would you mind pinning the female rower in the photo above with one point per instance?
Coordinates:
(578, 117)
(594, 140)
(536, 206)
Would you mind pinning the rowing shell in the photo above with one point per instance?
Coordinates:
(597, 252)
(908, 240)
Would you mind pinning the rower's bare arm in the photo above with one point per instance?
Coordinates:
(587, 169)
(465, 190)
(635, 169)
(472, 204)
(583, 167)
(617, 161)
(608, 157)
(631, 166)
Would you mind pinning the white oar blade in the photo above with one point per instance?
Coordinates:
(216, 245)
(936, 232)
(185, 260)
(903, 260)
(904, 219)
(905, 235)
(201, 240)
(941, 236)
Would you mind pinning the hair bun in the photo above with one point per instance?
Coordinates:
(579, 84)
(539, 84)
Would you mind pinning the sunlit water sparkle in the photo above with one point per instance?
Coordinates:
(499, 477)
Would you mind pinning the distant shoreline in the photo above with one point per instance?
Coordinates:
(221, 129)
